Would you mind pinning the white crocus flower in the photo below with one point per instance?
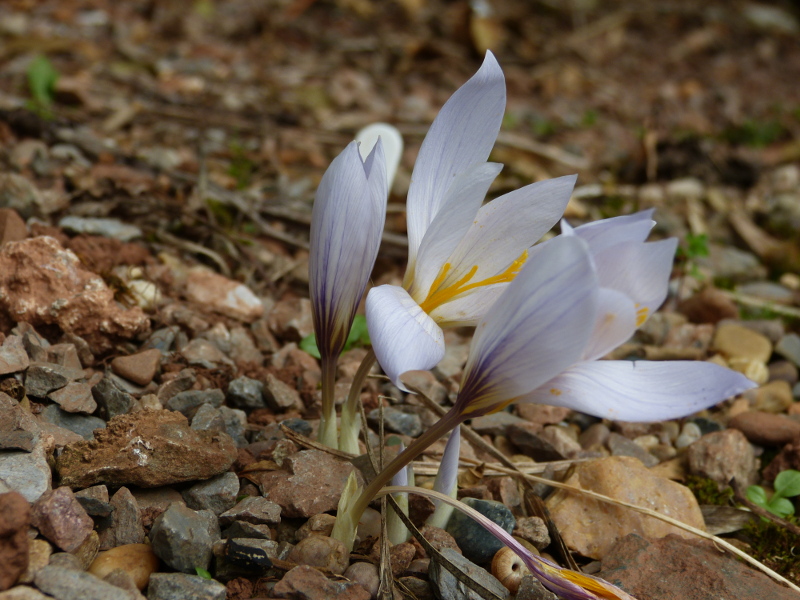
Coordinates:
(346, 225)
(633, 277)
(461, 255)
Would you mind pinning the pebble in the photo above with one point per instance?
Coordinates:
(124, 525)
(148, 449)
(773, 397)
(321, 524)
(95, 501)
(562, 440)
(183, 538)
(217, 494)
(243, 529)
(591, 528)
(65, 355)
(25, 472)
(307, 583)
(244, 392)
(80, 424)
(674, 568)
(279, 396)
(253, 509)
(766, 429)
(180, 586)
(722, 456)
(235, 425)
(12, 227)
(189, 401)
(789, 348)
(619, 445)
(396, 421)
(531, 588)
(13, 358)
(68, 584)
(596, 435)
(87, 551)
(140, 368)
(208, 418)
(290, 319)
(477, 544)
(204, 354)
(41, 378)
(736, 341)
(220, 294)
(39, 552)
(310, 482)
(533, 530)
(447, 586)
(366, 575)
(690, 433)
(427, 384)
(15, 516)
(755, 370)
(111, 400)
(255, 555)
(495, 423)
(111, 228)
(60, 518)
(543, 414)
(783, 370)
(526, 438)
(75, 397)
(137, 560)
(321, 551)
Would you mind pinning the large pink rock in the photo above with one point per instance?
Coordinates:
(44, 284)
(14, 520)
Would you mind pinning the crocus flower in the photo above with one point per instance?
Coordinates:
(461, 255)
(546, 323)
(567, 584)
(346, 225)
(446, 481)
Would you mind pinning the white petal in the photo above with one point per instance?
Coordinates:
(392, 145)
(608, 232)
(462, 135)
(403, 336)
(340, 262)
(537, 328)
(507, 226)
(639, 270)
(468, 309)
(448, 227)
(615, 324)
(641, 391)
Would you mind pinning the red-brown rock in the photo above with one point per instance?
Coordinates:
(139, 368)
(61, 519)
(766, 429)
(306, 583)
(14, 521)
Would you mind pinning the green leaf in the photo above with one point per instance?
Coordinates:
(202, 573)
(42, 77)
(787, 483)
(757, 495)
(309, 344)
(781, 507)
(359, 334)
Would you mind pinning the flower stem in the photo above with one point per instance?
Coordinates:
(450, 420)
(351, 419)
(327, 422)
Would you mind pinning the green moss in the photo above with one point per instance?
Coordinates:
(707, 492)
(775, 546)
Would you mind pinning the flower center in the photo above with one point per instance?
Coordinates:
(439, 293)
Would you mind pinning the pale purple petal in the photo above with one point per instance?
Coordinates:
(346, 225)
(392, 145)
(448, 227)
(615, 324)
(462, 135)
(507, 226)
(447, 477)
(537, 328)
(609, 232)
(404, 338)
(641, 271)
(641, 390)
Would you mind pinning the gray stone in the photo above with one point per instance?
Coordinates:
(524, 437)
(533, 530)
(477, 544)
(208, 418)
(112, 400)
(204, 354)
(244, 392)
(83, 425)
(279, 396)
(496, 423)
(161, 339)
(94, 501)
(124, 525)
(183, 382)
(396, 421)
(218, 494)
(75, 397)
(25, 472)
(300, 426)
(68, 584)
(65, 355)
(253, 509)
(13, 357)
(235, 424)
(789, 348)
(243, 529)
(179, 586)
(18, 440)
(183, 538)
(619, 445)
(41, 378)
(189, 401)
(531, 588)
(445, 585)
(23, 592)
(35, 345)
(722, 456)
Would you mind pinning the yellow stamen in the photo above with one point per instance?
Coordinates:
(641, 314)
(436, 296)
